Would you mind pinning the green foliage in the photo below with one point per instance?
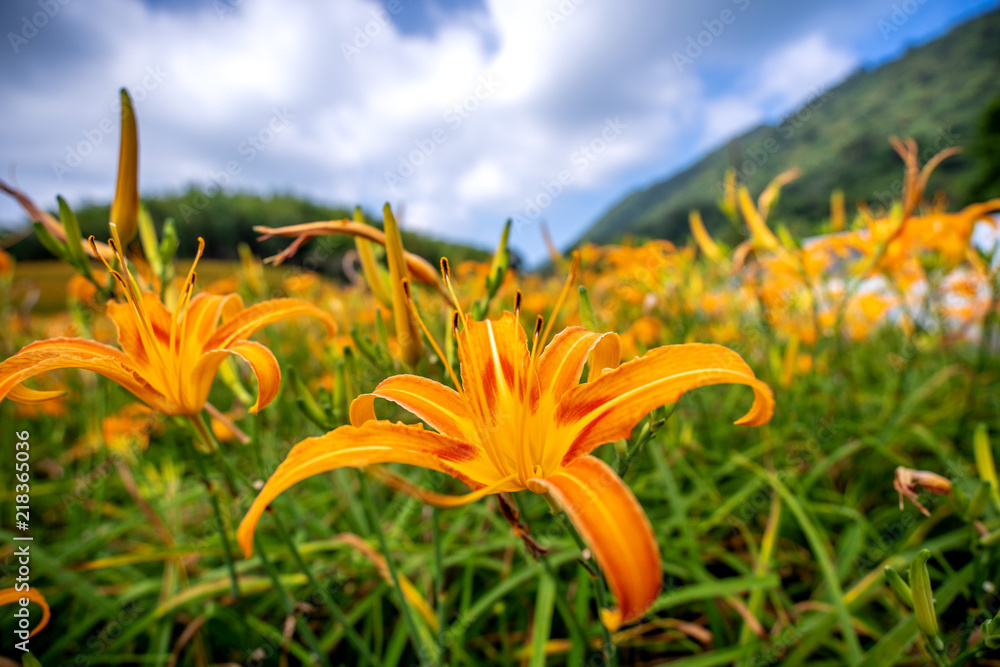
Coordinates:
(985, 151)
(225, 220)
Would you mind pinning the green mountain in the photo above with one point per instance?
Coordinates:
(225, 220)
(943, 93)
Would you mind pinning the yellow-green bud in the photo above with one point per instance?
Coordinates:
(898, 586)
(978, 503)
(923, 597)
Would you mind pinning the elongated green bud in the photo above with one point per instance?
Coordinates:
(990, 630)
(74, 248)
(125, 206)
(407, 335)
(351, 376)
(51, 243)
(341, 401)
(923, 598)
(984, 460)
(150, 244)
(381, 332)
(307, 402)
(898, 586)
(979, 501)
(498, 270)
(587, 316)
(501, 261)
(169, 243)
(369, 266)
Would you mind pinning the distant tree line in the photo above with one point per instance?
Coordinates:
(226, 219)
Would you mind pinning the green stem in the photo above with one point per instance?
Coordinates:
(349, 632)
(989, 323)
(331, 606)
(422, 651)
(939, 659)
(649, 429)
(209, 441)
(819, 549)
(609, 648)
(286, 601)
(575, 630)
(439, 571)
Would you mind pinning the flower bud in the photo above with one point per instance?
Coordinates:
(407, 334)
(704, 240)
(977, 505)
(125, 206)
(898, 586)
(587, 316)
(984, 460)
(923, 597)
(369, 266)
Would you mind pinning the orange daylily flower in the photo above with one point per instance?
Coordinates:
(13, 596)
(167, 359)
(520, 420)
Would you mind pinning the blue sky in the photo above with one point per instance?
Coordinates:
(461, 113)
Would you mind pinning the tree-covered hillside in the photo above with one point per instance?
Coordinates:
(940, 93)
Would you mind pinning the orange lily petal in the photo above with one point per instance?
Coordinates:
(128, 326)
(200, 319)
(12, 595)
(350, 446)
(105, 360)
(607, 409)
(561, 363)
(22, 394)
(202, 315)
(605, 355)
(251, 319)
(443, 408)
(494, 356)
(261, 361)
(612, 523)
(448, 415)
(362, 410)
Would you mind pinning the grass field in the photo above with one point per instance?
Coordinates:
(766, 543)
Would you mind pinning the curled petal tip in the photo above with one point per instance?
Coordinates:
(763, 407)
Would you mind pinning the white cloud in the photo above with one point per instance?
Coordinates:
(785, 79)
(485, 182)
(728, 116)
(471, 121)
(801, 70)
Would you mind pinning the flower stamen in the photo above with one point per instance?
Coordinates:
(430, 338)
(446, 279)
(570, 279)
